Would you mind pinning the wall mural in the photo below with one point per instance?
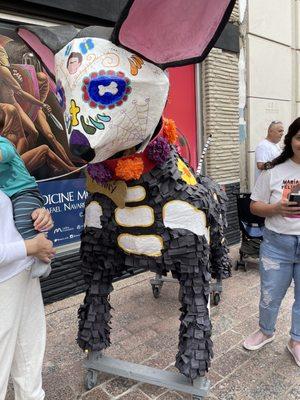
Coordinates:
(31, 117)
(31, 110)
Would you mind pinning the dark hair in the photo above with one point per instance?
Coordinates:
(74, 55)
(287, 151)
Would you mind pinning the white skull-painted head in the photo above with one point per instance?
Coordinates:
(114, 91)
(113, 99)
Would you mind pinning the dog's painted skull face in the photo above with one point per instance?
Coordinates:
(113, 100)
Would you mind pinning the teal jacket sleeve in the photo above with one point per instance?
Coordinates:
(7, 152)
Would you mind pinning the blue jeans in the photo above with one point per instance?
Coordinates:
(279, 263)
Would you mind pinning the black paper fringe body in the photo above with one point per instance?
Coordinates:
(189, 258)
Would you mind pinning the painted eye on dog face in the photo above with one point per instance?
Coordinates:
(106, 89)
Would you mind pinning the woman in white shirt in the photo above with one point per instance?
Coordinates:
(22, 316)
(280, 249)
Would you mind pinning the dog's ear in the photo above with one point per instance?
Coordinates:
(100, 32)
(46, 41)
(172, 32)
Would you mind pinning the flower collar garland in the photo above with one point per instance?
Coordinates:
(132, 167)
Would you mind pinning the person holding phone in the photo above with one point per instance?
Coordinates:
(294, 196)
(280, 249)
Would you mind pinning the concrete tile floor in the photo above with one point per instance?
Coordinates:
(145, 331)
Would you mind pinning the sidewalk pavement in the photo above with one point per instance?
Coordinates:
(145, 330)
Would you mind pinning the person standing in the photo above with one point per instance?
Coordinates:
(280, 250)
(22, 315)
(268, 148)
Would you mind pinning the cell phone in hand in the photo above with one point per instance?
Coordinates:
(295, 197)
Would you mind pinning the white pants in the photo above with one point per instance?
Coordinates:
(22, 336)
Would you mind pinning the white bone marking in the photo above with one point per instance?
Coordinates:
(149, 245)
(93, 213)
(111, 88)
(129, 217)
(135, 193)
(182, 215)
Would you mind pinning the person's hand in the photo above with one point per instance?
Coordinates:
(42, 220)
(41, 248)
(47, 108)
(287, 208)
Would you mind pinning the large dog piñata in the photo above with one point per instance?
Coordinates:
(146, 208)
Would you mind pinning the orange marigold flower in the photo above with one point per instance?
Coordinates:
(170, 131)
(129, 168)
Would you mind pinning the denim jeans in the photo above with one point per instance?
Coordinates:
(279, 263)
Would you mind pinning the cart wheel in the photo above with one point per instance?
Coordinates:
(217, 299)
(240, 264)
(90, 379)
(156, 291)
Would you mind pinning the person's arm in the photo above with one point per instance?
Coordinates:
(260, 204)
(283, 207)
(39, 247)
(260, 165)
(264, 165)
(42, 220)
(10, 252)
(14, 85)
(261, 156)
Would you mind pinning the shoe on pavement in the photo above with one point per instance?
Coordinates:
(295, 352)
(257, 340)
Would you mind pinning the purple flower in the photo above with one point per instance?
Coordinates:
(99, 172)
(158, 151)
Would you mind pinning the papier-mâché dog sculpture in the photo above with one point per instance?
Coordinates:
(146, 208)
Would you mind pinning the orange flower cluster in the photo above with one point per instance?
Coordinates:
(129, 168)
(169, 130)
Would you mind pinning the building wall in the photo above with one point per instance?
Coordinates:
(220, 97)
(273, 77)
(221, 103)
(234, 18)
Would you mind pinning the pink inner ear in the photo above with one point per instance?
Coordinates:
(165, 31)
(42, 51)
